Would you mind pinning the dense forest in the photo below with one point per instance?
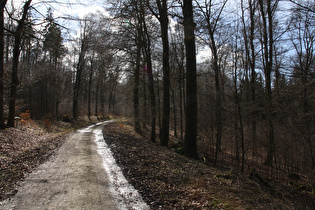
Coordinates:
(233, 81)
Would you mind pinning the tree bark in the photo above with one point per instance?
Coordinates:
(190, 145)
(2, 6)
(77, 86)
(80, 67)
(166, 72)
(147, 46)
(136, 87)
(15, 63)
(252, 9)
(90, 87)
(268, 63)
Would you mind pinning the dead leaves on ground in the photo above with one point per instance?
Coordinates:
(167, 180)
(21, 150)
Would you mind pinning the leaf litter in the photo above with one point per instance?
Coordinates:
(168, 180)
(21, 150)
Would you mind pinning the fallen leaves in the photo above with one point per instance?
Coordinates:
(21, 150)
(167, 180)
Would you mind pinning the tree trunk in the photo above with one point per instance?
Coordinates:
(218, 106)
(166, 74)
(147, 43)
(145, 103)
(96, 99)
(77, 84)
(268, 63)
(174, 113)
(90, 89)
(3, 3)
(253, 73)
(16, 54)
(190, 146)
(136, 87)
(152, 100)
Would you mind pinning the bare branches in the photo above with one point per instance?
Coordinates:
(305, 7)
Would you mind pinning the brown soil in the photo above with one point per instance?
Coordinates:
(168, 180)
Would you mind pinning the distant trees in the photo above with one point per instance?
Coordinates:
(303, 69)
(210, 23)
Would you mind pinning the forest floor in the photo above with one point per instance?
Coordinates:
(164, 178)
(168, 180)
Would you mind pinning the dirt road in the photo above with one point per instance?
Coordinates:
(75, 178)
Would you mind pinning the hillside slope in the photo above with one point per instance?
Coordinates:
(168, 180)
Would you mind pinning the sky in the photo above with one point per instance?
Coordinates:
(64, 11)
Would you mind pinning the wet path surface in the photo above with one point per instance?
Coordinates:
(75, 178)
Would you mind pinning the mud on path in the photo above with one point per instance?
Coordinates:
(74, 178)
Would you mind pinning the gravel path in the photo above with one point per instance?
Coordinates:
(74, 178)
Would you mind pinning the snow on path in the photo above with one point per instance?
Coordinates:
(126, 196)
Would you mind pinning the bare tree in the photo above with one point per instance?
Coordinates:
(18, 35)
(149, 72)
(162, 16)
(267, 14)
(211, 16)
(303, 40)
(2, 6)
(80, 68)
(190, 146)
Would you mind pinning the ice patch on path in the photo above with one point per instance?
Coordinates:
(126, 195)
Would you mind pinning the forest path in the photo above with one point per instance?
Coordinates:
(75, 178)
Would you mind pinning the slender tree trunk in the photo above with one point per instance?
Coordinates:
(145, 103)
(77, 84)
(3, 3)
(136, 87)
(190, 146)
(159, 105)
(181, 106)
(96, 99)
(102, 97)
(268, 63)
(239, 114)
(15, 64)
(152, 100)
(147, 43)
(166, 74)
(174, 113)
(90, 90)
(218, 106)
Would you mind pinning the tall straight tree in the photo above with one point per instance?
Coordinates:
(211, 13)
(138, 40)
(267, 11)
(18, 35)
(250, 60)
(80, 67)
(162, 16)
(2, 5)
(148, 58)
(190, 145)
